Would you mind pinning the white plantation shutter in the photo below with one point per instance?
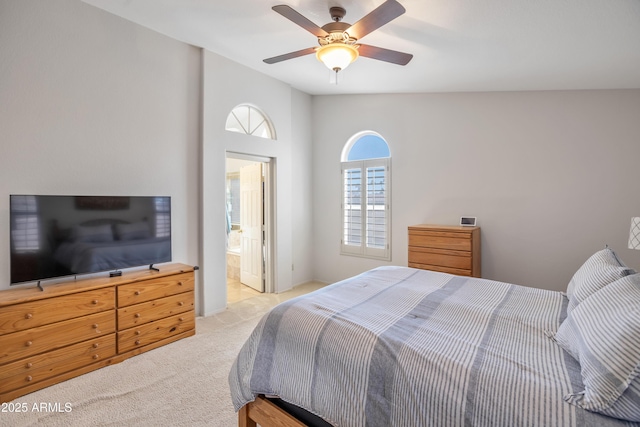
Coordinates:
(365, 208)
(376, 207)
(352, 209)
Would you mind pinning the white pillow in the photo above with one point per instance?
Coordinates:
(603, 335)
(599, 270)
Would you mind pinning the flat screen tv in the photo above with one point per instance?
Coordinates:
(55, 236)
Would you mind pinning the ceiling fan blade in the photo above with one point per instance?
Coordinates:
(386, 55)
(290, 55)
(386, 12)
(295, 17)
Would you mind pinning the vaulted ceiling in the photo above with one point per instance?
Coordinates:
(458, 45)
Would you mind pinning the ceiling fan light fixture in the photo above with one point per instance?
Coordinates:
(337, 56)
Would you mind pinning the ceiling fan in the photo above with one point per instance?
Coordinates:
(338, 40)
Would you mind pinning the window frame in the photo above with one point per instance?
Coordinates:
(252, 111)
(363, 249)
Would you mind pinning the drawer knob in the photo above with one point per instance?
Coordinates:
(28, 343)
(180, 319)
(137, 332)
(180, 303)
(136, 293)
(96, 356)
(179, 283)
(29, 365)
(94, 302)
(137, 342)
(28, 316)
(137, 315)
(95, 345)
(94, 326)
(29, 378)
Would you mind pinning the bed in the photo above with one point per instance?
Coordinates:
(397, 346)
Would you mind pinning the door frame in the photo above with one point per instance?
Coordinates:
(269, 252)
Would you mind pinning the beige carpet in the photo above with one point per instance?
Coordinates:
(181, 384)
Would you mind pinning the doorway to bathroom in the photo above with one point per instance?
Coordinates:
(248, 219)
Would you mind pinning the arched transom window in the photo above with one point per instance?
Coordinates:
(249, 120)
(366, 196)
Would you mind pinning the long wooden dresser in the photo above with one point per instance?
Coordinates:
(75, 327)
(448, 249)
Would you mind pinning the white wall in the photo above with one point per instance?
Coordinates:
(227, 84)
(93, 104)
(302, 188)
(551, 176)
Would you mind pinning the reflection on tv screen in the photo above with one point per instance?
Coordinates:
(53, 236)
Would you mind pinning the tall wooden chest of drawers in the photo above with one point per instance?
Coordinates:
(448, 249)
(75, 327)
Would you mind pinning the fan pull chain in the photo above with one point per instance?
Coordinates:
(333, 77)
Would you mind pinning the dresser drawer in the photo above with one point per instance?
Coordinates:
(43, 366)
(146, 312)
(440, 240)
(149, 333)
(445, 248)
(440, 257)
(27, 315)
(57, 335)
(147, 290)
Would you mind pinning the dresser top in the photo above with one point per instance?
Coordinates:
(461, 228)
(29, 292)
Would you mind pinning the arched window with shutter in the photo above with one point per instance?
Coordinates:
(366, 196)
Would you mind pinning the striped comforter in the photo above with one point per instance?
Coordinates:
(397, 346)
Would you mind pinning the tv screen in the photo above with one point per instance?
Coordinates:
(54, 236)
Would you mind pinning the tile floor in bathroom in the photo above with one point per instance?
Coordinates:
(236, 291)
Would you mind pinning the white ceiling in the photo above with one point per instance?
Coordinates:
(458, 45)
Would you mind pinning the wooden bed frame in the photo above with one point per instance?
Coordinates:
(267, 414)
